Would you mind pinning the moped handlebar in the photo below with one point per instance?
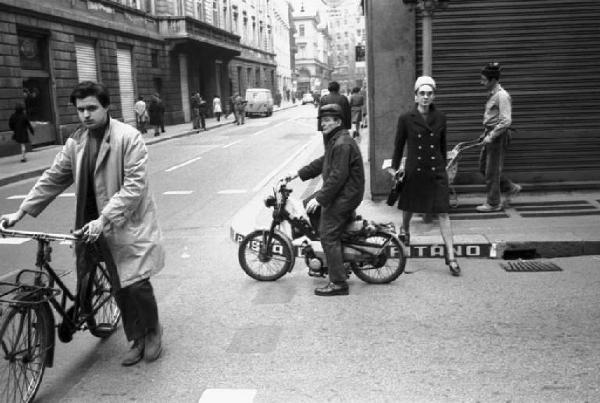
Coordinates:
(76, 236)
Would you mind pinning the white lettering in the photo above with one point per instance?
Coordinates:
(420, 250)
(437, 250)
(458, 250)
(473, 250)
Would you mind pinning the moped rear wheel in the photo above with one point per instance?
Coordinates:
(265, 262)
(383, 268)
(24, 345)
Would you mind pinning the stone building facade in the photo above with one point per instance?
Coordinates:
(136, 48)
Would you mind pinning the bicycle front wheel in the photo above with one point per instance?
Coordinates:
(24, 345)
(104, 312)
(265, 262)
(384, 267)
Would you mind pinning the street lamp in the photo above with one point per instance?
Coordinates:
(427, 7)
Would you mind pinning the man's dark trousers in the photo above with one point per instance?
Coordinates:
(491, 165)
(332, 226)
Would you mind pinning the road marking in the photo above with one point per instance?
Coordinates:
(227, 395)
(66, 195)
(182, 164)
(178, 192)
(232, 191)
(272, 127)
(274, 172)
(13, 241)
(16, 197)
(10, 275)
(230, 144)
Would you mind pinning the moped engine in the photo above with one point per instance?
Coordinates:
(314, 262)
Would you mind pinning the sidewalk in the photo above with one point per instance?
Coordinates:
(536, 224)
(40, 159)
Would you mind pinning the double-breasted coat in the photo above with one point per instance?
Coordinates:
(425, 187)
(122, 196)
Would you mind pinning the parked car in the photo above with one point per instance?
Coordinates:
(260, 102)
(307, 98)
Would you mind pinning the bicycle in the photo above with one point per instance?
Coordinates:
(27, 336)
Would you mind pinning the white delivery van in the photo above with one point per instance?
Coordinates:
(260, 102)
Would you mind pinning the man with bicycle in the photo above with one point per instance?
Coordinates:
(343, 186)
(106, 160)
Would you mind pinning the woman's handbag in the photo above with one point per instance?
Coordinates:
(396, 189)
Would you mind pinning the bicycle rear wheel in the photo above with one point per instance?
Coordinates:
(24, 345)
(100, 302)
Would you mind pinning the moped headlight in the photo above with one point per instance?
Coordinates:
(270, 201)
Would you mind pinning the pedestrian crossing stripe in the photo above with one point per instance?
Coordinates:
(178, 192)
(16, 197)
(228, 395)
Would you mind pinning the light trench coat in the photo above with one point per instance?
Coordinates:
(122, 196)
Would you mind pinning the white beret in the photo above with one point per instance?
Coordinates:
(424, 80)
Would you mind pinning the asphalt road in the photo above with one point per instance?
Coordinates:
(486, 336)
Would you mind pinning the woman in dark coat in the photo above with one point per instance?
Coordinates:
(21, 127)
(425, 190)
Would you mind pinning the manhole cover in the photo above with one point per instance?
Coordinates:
(529, 266)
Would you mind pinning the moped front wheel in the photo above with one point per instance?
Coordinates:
(384, 267)
(265, 260)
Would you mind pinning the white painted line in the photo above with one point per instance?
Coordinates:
(271, 127)
(228, 395)
(230, 144)
(9, 275)
(274, 172)
(182, 164)
(13, 241)
(16, 197)
(178, 192)
(66, 195)
(232, 191)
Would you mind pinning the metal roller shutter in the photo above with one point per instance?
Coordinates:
(86, 62)
(550, 53)
(126, 85)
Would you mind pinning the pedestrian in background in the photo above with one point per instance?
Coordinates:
(141, 114)
(425, 186)
(195, 104)
(21, 127)
(334, 97)
(217, 108)
(239, 106)
(161, 112)
(203, 113)
(107, 161)
(356, 107)
(155, 111)
(497, 118)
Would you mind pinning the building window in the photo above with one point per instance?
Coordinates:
(154, 56)
(301, 30)
(199, 10)
(215, 16)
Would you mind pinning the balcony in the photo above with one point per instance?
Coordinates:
(185, 30)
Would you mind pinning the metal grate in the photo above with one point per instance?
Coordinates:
(529, 266)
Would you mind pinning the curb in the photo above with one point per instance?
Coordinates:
(19, 176)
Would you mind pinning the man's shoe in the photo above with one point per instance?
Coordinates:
(487, 208)
(135, 354)
(332, 289)
(153, 346)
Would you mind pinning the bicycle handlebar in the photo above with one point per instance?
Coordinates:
(38, 235)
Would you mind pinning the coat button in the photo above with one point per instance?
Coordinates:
(418, 169)
(420, 147)
(431, 146)
(432, 158)
(419, 136)
(431, 134)
(418, 158)
(433, 168)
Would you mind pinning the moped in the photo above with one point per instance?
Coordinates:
(373, 252)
